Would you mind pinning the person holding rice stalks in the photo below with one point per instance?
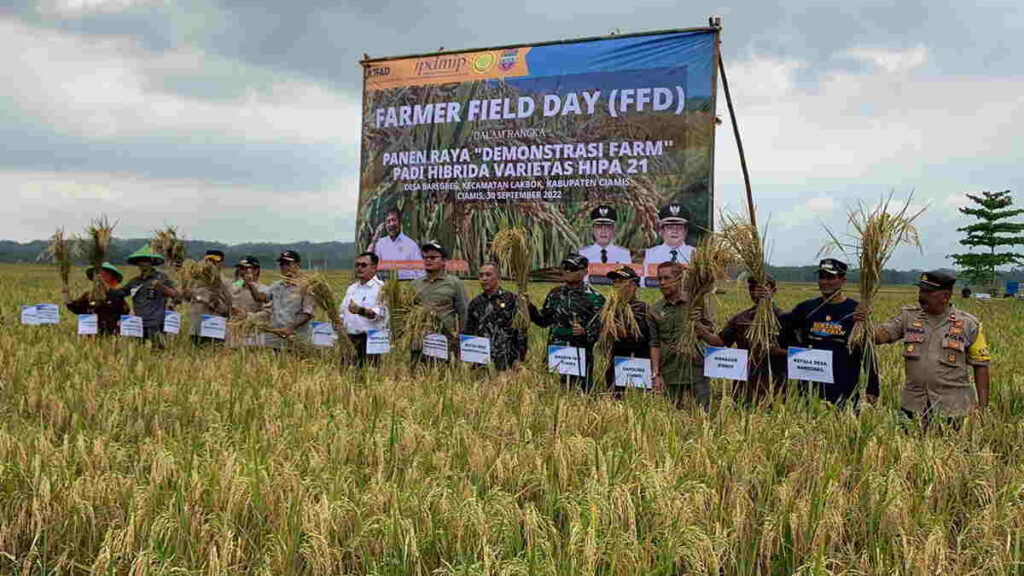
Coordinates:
(211, 297)
(627, 324)
(441, 292)
(150, 291)
(244, 308)
(825, 323)
(363, 307)
(764, 376)
(395, 245)
(109, 310)
(291, 308)
(940, 343)
(492, 315)
(572, 312)
(673, 225)
(680, 373)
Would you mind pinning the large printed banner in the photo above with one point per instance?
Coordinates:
(602, 147)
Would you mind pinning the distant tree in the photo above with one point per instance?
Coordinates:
(993, 230)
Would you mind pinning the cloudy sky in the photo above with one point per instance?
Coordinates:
(239, 121)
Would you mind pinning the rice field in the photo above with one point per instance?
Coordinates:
(116, 459)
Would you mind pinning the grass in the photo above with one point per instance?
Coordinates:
(115, 459)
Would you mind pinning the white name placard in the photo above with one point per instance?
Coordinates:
(567, 360)
(435, 346)
(323, 334)
(88, 324)
(172, 322)
(29, 316)
(378, 342)
(633, 372)
(810, 365)
(48, 313)
(728, 363)
(475, 349)
(131, 326)
(213, 326)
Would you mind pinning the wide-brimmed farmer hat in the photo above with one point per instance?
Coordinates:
(91, 271)
(143, 253)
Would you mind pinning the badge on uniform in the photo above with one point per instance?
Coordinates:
(917, 337)
(951, 358)
(917, 324)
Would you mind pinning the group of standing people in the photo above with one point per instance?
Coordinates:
(944, 347)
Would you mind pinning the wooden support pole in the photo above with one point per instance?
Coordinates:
(739, 141)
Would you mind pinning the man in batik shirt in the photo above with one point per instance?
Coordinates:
(492, 315)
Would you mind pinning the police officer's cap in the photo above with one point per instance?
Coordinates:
(936, 280)
(603, 215)
(248, 262)
(575, 261)
(833, 267)
(673, 214)
(624, 273)
(289, 256)
(434, 246)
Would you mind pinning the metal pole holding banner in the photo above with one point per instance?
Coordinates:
(716, 22)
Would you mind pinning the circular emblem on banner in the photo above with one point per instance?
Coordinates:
(484, 62)
(508, 60)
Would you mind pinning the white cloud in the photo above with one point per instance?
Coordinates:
(81, 8)
(892, 61)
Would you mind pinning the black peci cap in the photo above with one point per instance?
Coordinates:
(289, 256)
(624, 273)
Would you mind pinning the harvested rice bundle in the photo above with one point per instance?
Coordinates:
(418, 321)
(195, 273)
(243, 326)
(60, 250)
(97, 247)
(399, 297)
(876, 236)
(617, 321)
(315, 285)
(168, 244)
(748, 245)
(511, 247)
(707, 265)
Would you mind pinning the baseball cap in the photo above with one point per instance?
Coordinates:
(936, 280)
(575, 261)
(673, 214)
(833, 266)
(435, 246)
(623, 273)
(603, 215)
(249, 261)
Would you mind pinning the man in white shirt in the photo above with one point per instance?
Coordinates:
(395, 245)
(673, 224)
(603, 251)
(362, 309)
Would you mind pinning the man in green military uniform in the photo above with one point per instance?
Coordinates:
(441, 291)
(940, 342)
(680, 374)
(572, 311)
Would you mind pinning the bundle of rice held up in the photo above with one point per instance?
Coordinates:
(317, 288)
(60, 249)
(97, 247)
(511, 248)
(617, 321)
(195, 273)
(748, 245)
(707, 265)
(399, 298)
(876, 236)
(168, 244)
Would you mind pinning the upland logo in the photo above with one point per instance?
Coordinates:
(508, 60)
(484, 62)
(441, 65)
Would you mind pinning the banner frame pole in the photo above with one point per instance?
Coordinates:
(736, 134)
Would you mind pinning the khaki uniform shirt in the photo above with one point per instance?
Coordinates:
(241, 298)
(286, 303)
(677, 369)
(447, 296)
(207, 300)
(938, 351)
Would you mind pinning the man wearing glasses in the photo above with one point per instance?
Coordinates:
(441, 291)
(362, 309)
(572, 311)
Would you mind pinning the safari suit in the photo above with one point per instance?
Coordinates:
(938, 350)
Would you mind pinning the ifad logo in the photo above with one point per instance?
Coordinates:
(484, 62)
(507, 61)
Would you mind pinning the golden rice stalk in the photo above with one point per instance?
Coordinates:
(97, 248)
(242, 325)
(195, 273)
(399, 297)
(617, 321)
(876, 235)
(708, 264)
(60, 250)
(748, 245)
(315, 285)
(511, 248)
(418, 321)
(170, 245)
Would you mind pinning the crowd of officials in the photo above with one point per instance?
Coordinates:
(944, 348)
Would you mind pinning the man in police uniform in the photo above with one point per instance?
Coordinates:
(572, 312)
(673, 224)
(940, 342)
(603, 251)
